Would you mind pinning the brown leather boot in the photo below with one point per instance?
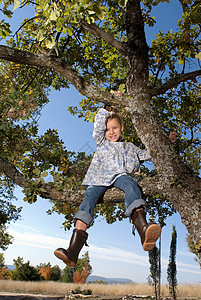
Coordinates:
(70, 256)
(149, 233)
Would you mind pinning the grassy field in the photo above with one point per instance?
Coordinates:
(58, 288)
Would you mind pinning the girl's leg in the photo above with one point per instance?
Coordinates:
(80, 225)
(133, 197)
(70, 255)
(83, 219)
(149, 233)
(86, 209)
(135, 209)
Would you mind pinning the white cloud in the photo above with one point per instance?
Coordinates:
(189, 271)
(180, 264)
(33, 238)
(182, 253)
(189, 254)
(37, 239)
(116, 254)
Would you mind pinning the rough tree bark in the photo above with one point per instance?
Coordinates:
(185, 193)
(174, 180)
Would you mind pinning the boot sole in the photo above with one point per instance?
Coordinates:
(65, 259)
(152, 234)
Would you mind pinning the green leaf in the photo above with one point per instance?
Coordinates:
(40, 36)
(123, 2)
(122, 88)
(44, 174)
(69, 31)
(50, 44)
(16, 4)
(99, 10)
(174, 181)
(4, 29)
(54, 15)
(198, 55)
(37, 172)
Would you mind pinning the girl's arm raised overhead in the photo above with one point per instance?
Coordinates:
(100, 126)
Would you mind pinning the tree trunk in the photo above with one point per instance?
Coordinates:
(155, 288)
(159, 269)
(175, 180)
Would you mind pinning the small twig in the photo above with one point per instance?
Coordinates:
(23, 25)
(40, 49)
(31, 2)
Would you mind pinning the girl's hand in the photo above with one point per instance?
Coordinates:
(173, 136)
(113, 110)
(108, 107)
(118, 93)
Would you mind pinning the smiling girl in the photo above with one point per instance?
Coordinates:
(113, 163)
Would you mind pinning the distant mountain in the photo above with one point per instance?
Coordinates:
(93, 278)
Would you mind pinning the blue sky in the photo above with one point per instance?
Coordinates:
(113, 250)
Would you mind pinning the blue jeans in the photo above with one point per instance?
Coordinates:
(93, 193)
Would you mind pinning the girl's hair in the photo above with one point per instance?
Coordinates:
(117, 116)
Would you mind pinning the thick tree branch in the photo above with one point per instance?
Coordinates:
(47, 191)
(97, 31)
(149, 185)
(11, 171)
(174, 82)
(53, 62)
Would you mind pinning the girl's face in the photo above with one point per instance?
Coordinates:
(113, 130)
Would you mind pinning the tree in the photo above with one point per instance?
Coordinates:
(162, 209)
(83, 269)
(67, 275)
(80, 273)
(80, 276)
(24, 271)
(8, 211)
(55, 273)
(2, 260)
(4, 273)
(172, 268)
(193, 248)
(97, 46)
(44, 269)
(45, 273)
(154, 269)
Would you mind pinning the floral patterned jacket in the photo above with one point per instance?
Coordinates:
(111, 159)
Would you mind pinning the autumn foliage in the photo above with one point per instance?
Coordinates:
(4, 273)
(80, 276)
(83, 269)
(45, 273)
